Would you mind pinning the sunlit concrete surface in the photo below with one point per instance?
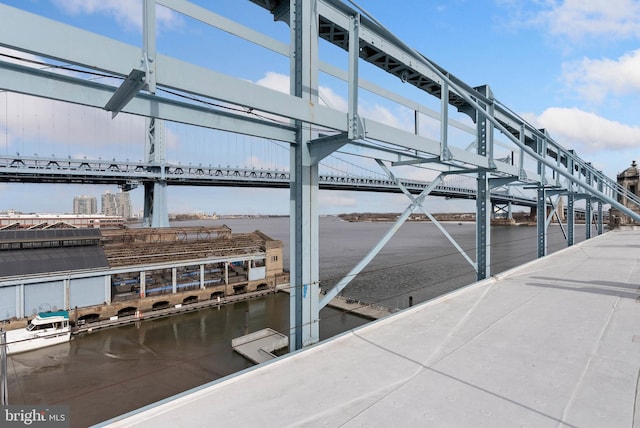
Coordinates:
(554, 343)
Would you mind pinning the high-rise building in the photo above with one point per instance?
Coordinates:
(123, 204)
(85, 205)
(108, 204)
(116, 204)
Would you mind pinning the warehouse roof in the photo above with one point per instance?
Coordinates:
(30, 252)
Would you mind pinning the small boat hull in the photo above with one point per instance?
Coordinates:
(25, 344)
(46, 329)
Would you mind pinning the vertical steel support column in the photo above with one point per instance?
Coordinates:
(160, 217)
(354, 130)
(20, 303)
(155, 194)
(484, 131)
(174, 280)
(541, 222)
(148, 205)
(445, 154)
(143, 285)
(483, 222)
(107, 289)
(600, 213)
(522, 174)
(599, 225)
(588, 216)
(588, 209)
(304, 316)
(571, 219)
(541, 207)
(67, 292)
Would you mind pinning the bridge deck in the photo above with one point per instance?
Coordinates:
(552, 343)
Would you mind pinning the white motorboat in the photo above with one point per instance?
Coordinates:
(46, 329)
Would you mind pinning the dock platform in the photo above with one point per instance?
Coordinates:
(259, 346)
(552, 343)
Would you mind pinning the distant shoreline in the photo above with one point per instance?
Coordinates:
(419, 217)
(518, 218)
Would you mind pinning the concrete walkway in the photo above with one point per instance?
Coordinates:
(554, 343)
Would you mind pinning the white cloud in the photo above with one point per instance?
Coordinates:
(330, 99)
(577, 19)
(128, 13)
(593, 80)
(381, 114)
(276, 81)
(577, 129)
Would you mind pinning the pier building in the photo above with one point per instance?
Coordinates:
(101, 274)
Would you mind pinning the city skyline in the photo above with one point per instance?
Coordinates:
(111, 204)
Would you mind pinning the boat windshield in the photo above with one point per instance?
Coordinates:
(32, 327)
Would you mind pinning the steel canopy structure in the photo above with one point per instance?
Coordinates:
(151, 84)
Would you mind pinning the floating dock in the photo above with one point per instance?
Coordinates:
(259, 346)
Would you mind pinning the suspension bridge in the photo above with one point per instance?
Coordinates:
(129, 175)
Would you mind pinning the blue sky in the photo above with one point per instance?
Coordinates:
(572, 67)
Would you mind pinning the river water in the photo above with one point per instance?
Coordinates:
(418, 261)
(110, 372)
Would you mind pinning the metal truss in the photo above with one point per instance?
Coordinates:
(147, 77)
(128, 175)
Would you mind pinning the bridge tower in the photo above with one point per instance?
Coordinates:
(155, 193)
